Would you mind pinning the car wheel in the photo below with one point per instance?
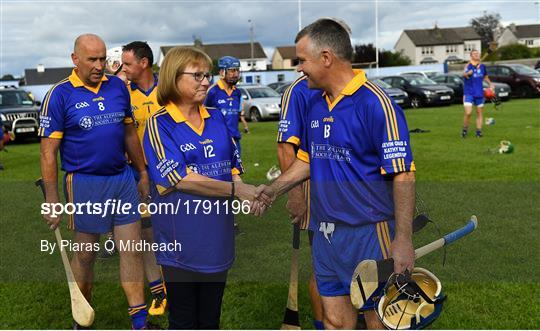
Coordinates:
(255, 115)
(526, 91)
(416, 102)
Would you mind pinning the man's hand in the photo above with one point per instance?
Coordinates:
(265, 196)
(402, 252)
(52, 221)
(244, 191)
(296, 205)
(144, 187)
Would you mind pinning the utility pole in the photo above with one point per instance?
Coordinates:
(299, 15)
(251, 43)
(377, 37)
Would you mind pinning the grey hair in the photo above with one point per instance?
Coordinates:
(329, 33)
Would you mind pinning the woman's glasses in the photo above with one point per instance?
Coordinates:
(199, 76)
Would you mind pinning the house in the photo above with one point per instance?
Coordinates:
(520, 34)
(242, 51)
(437, 45)
(284, 58)
(41, 79)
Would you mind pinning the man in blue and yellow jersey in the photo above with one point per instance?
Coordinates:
(473, 92)
(88, 117)
(137, 60)
(292, 123)
(357, 153)
(227, 98)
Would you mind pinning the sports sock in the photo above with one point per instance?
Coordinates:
(318, 325)
(464, 131)
(157, 288)
(478, 133)
(138, 315)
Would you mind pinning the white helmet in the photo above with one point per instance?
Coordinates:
(114, 59)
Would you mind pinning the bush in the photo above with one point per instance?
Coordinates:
(513, 52)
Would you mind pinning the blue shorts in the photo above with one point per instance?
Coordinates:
(469, 100)
(338, 248)
(105, 194)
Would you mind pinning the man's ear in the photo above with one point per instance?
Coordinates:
(75, 59)
(327, 58)
(144, 62)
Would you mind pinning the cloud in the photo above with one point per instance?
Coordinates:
(43, 31)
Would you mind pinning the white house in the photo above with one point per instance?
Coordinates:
(242, 51)
(520, 34)
(438, 45)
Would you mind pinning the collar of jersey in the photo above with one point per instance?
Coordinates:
(178, 117)
(147, 93)
(352, 86)
(222, 86)
(77, 82)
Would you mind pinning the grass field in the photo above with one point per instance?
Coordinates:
(491, 277)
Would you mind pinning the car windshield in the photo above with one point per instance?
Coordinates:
(419, 80)
(382, 84)
(524, 70)
(14, 98)
(262, 92)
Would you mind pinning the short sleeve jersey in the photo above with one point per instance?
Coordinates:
(229, 103)
(174, 148)
(354, 145)
(90, 123)
(473, 84)
(143, 104)
(294, 111)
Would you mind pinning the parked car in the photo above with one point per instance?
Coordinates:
(400, 97)
(19, 113)
(283, 87)
(455, 82)
(260, 102)
(422, 91)
(524, 81)
(274, 86)
(425, 73)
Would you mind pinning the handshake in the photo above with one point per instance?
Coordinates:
(261, 198)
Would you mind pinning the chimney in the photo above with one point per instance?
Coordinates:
(512, 27)
(40, 68)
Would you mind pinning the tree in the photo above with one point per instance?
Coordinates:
(365, 53)
(487, 26)
(7, 77)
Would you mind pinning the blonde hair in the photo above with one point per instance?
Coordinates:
(176, 61)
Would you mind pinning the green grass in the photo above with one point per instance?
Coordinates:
(491, 277)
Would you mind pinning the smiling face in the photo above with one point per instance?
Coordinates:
(189, 89)
(475, 56)
(309, 62)
(133, 67)
(89, 57)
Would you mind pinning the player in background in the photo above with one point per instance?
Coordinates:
(137, 61)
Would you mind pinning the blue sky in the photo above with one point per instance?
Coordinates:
(34, 32)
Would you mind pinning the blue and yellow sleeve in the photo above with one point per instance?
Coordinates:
(237, 167)
(391, 137)
(291, 124)
(166, 163)
(51, 116)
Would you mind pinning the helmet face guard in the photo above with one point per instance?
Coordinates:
(114, 60)
(410, 301)
(506, 147)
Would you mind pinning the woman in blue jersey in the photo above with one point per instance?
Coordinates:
(195, 166)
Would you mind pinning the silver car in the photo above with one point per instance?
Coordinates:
(260, 102)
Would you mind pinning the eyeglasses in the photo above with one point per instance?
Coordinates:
(199, 76)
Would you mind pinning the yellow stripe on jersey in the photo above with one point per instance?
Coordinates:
(56, 135)
(235, 171)
(155, 141)
(302, 155)
(394, 165)
(294, 140)
(390, 109)
(45, 109)
(413, 166)
(285, 102)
